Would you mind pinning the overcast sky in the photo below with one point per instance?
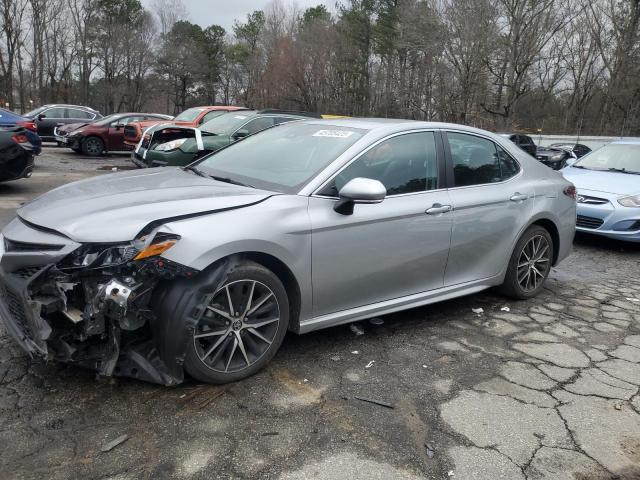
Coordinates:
(224, 12)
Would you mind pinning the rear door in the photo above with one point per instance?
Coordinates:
(116, 132)
(491, 205)
(388, 250)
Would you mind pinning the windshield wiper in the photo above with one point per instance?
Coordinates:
(231, 181)
(623, 170)
(194, 170)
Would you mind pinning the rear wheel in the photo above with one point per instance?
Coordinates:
(92, 146)
(530, 264)
(242, 328)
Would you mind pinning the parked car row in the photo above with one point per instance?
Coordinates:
(554, 156)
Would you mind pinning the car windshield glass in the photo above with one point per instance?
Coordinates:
(225, 124)
(189, 115)
(108, 119)
(35, 112)
(615, 156)
(282, 158)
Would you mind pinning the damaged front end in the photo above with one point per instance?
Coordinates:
(90, 304)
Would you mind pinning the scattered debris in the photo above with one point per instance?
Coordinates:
(356, 329)
(114, 169)
(450, 473)
(617, 406)
(425, 366)
(370, 364)
(183, 395)
(376, 321)
(305, 380)
(505, 309)
(356, 352)
(430, 450)
(375, 402)
(477, 310)
(631, 299)
(114, 443)
(270, 434)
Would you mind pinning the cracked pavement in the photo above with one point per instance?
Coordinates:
(540, 389)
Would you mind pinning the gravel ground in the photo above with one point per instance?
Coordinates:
(542, 389)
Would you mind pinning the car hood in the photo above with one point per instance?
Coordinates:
(72, 126)
(608, 182)
(548, 152)
(116, 207)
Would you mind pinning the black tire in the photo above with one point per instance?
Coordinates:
(519, 284)
(76, 149)
(239, 280)
(92, 146)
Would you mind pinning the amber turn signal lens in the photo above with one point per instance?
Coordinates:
(155, 249)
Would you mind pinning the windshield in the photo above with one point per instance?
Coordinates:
(225, 124)
(615, 156)
(35, 112)
(108, 119)
(189, 115)
(283, 158)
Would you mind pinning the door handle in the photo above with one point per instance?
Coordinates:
(437, 209)
(518, 197)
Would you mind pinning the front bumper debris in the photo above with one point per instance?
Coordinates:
(98, 318)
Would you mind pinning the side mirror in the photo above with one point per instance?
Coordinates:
(241, 133)
(359, 190)
(42, 116)
(570, 161)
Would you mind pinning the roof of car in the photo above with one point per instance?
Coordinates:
(391, 124)
(69, 105)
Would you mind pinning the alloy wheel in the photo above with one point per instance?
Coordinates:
(238, 327)
(93, 146)
(534, 263)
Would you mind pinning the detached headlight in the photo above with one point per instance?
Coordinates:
(557, 157)
(172, 145)
(633, 201)
(112, 256)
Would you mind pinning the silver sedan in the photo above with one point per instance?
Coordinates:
(308, 225)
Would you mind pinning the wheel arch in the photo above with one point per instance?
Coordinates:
(94, 135)
(282, 271)
(552, 228)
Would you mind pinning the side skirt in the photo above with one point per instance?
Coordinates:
(398, 304)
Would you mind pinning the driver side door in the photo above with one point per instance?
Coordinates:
(388, 250)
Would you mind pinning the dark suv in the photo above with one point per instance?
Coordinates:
(175, 145)
(48, 117)
(525, 142)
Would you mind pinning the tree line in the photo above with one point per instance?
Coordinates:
(556, 66)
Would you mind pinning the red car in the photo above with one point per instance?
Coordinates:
(192, 117)
(107, 134)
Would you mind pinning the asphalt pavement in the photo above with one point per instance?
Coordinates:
(480, 387)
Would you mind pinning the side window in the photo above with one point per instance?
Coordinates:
(125, 121)
(258, 124)
(508, 166)
(210, 115)
(54, 113)
(475, 160)
(404, 164)
(78, 114)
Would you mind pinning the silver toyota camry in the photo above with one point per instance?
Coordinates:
(308, 225)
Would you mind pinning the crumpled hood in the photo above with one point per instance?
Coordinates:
(116, 207)
(608, 182)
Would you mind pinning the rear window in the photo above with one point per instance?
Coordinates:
(189, 115)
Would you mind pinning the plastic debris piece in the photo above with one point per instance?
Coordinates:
(505, 309)
(477, 310)
(356, 352)
(356, 329)
(370, 364)
(114, 443)
(375, 402)
(617, 406)
(114, 169)
(425, 366)
(631, 299)
(450, 473)
(305, 380)
(376, 321)
(430, 450)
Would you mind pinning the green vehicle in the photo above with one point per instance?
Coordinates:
(173, 145)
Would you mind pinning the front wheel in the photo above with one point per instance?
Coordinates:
(242, 327)
(530, 264)
(92, 146)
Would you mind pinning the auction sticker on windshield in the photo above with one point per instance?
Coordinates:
(333, 133)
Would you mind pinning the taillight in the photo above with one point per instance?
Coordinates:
(570, 191)
(20, 138)
(28, 125)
